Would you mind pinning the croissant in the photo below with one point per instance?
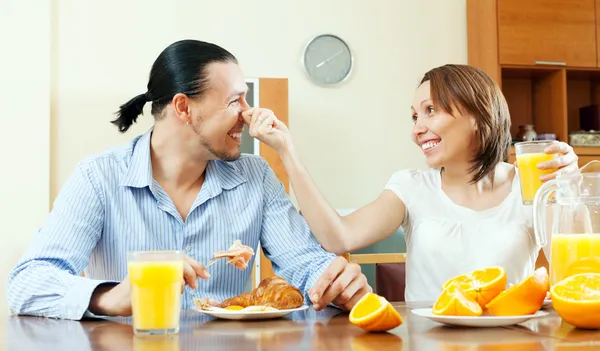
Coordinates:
(273, 292)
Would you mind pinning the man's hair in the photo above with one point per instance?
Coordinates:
(180, 68)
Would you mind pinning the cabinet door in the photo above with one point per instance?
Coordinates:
(547, 31)
(585, 159)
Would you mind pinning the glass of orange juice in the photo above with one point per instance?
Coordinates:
(156, 278)
(529, 155)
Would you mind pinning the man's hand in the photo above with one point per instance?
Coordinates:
(112, 300)
(115, 300)
(192, 270)
(342, 284)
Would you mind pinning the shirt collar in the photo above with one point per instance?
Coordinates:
(220, 175)
(139, 171)
(228, 174)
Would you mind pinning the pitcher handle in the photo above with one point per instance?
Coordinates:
(540, 203)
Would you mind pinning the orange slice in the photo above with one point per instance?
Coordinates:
(481, 285)
(455, 302)
(374, 313)
(576, 299)
(234, 308)
(527, 297)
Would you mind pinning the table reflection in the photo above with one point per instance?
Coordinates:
(197, 331)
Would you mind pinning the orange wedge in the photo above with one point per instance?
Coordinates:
(576, 299)
(374, 313)
(455, 302)
(527, 297)
(481, 285)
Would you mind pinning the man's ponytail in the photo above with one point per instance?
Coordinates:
(129, 112)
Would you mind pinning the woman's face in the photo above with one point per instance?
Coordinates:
(445, 139)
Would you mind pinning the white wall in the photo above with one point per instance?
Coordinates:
(24, 127)
(351, 138)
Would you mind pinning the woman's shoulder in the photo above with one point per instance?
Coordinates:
(410, 181)
(415, 175)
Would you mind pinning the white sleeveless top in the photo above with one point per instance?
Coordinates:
(444, 240)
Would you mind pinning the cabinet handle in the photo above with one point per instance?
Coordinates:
(551, 63)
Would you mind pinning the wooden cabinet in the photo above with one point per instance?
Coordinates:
(598, 30)
(536, 96)
(508, 39)
(555, 32)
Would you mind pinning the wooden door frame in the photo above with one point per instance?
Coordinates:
(271, 93)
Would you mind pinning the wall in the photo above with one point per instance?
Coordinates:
(105, 51)
(97, 55)
(24, 127)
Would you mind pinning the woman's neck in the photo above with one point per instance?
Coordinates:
(460, 176)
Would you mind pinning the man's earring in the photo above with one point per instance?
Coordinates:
(187, 124)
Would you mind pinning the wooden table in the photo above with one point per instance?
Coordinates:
(308, 330)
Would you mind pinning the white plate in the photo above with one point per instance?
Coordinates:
(547, 303)
(481, 321)
(241, 315)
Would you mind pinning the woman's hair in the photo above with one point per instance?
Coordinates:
(472, 92)
(180, 68)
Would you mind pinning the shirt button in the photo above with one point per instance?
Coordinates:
(193, 291)
(188, 248)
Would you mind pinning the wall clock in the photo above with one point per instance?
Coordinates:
(327, 60)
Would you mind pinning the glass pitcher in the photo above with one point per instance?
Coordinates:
(566, 210)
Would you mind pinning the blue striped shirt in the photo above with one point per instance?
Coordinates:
(111, 205)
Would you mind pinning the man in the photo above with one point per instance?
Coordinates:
(182, 185)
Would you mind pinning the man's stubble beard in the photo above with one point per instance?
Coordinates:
(219, 154)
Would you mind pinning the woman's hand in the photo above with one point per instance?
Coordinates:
(565, 162)
(264, 126)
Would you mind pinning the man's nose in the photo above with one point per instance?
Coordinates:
(245, 105)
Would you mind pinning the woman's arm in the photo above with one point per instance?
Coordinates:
(341, 234)
(369, 224)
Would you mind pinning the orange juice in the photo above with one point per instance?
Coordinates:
(574, 253)
(156, 295)
(529, 174)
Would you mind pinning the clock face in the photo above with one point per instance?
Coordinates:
(328, 60)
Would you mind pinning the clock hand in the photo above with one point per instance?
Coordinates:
(329, 58)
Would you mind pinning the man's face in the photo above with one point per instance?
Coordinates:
(216, 116)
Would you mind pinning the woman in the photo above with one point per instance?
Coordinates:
(462, 214)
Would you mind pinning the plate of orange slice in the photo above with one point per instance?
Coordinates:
(481, 299)
(484, 321)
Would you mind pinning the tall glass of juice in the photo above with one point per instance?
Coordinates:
(156, 278)
(529, 155)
